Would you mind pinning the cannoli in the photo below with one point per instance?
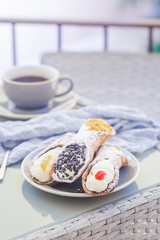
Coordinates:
(76, 155)
(102, 175)
(40, 170)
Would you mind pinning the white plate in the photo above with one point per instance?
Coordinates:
(8, 110)
(128, 174)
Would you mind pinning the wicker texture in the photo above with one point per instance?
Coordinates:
(118, 79)
(137, 217)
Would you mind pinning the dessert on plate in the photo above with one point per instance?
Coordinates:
(40, 170)
(75, 156)
(85, 155)
(102, 175)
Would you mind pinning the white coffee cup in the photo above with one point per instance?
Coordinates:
(33, 86)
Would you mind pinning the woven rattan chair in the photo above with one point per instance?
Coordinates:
(110, 78)
(137, 217)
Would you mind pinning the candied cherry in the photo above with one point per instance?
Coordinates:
(100, 175)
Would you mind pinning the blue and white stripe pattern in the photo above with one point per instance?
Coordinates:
(135, 131)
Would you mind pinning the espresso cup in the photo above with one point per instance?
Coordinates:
(31, 87)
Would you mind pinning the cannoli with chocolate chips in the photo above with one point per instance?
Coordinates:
(40, 170)
(74, 158)
(102, 175)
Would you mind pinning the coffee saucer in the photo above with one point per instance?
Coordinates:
(9, 110)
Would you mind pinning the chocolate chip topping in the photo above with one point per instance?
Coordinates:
(70, 161)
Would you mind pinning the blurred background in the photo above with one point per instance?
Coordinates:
(32, 40)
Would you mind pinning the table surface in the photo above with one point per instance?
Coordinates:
(25, 208)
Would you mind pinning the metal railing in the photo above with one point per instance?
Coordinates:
(148, 24)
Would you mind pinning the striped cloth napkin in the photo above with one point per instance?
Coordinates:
(135, 131)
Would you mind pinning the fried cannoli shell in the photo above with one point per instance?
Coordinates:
(118, 159)
(58, 143)
(92, 140)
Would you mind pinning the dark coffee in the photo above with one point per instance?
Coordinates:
(29, 79)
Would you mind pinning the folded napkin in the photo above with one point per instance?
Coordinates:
(135, 131)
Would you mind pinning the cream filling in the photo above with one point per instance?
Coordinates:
(92, 184)
(41, 167)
